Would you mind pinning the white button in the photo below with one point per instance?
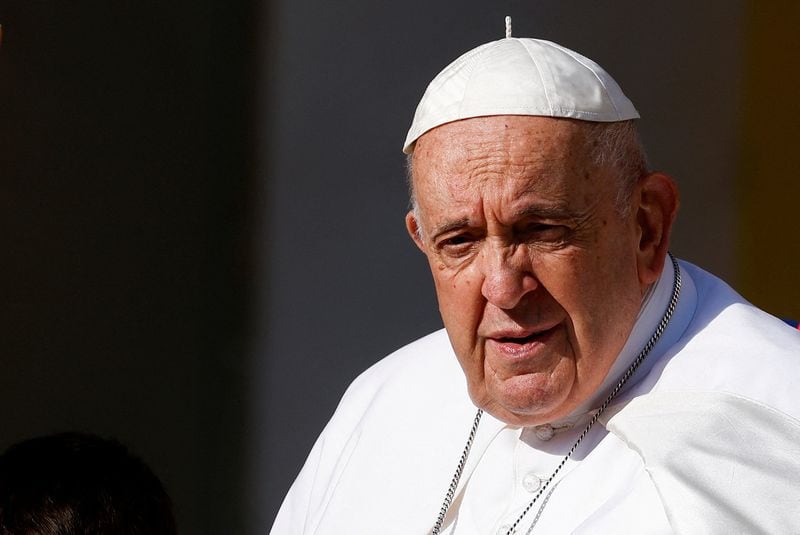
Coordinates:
(544, 432)
(504, 529)
(531, 482)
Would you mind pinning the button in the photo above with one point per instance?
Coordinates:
(544, 432)
(531, 482)
(504, 529)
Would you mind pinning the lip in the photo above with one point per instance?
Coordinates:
(519, 344)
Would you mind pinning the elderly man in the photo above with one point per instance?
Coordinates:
(617, 390)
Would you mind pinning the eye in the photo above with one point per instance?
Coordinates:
(545, 232)
(456, 245)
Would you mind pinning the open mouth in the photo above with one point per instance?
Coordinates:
(518, 346)
(520, 341)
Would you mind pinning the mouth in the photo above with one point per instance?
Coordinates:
(519, 340)
(521, 345)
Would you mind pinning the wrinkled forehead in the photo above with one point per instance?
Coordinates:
(513, 140)
(508, 155)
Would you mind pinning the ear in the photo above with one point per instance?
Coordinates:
(658, 201)
(414, 230)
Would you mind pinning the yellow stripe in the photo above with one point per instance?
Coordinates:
(769, 179)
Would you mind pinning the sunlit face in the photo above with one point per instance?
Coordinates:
(535, 269)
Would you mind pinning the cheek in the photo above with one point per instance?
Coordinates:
(577, 284)
(460, 305)
(601, 298)
(453, 286)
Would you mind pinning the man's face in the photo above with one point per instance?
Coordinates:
(534, 267)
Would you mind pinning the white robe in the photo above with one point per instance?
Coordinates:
(704, 440)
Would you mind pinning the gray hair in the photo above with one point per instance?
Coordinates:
(615, 146)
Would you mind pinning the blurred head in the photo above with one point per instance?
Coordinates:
(74, 483)
(542, 235)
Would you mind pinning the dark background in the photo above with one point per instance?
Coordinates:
(125, 160)
(202, 207)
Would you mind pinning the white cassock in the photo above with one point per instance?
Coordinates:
(705, 439)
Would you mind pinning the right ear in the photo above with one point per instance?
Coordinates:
(414, 230)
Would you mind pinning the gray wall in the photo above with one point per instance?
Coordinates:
(342, 284)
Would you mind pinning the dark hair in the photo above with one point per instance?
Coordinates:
(76, 483)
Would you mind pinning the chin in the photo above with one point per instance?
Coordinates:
(521, 419)
(520, 408)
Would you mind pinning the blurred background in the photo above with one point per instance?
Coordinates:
(201, 204)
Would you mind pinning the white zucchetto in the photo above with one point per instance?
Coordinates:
(520, 76)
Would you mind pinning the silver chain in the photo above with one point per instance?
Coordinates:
(451, 491)
(542, 506)
(662, 325)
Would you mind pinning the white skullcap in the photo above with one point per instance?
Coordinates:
(515, 76)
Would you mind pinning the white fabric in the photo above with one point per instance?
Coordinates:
(744, 458)
(520, 77)
(706, 442)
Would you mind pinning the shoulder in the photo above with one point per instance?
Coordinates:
(412, 380)
(430, 351)
(411, 368)
(732, 346)
(716, 422)
(400, 420)
(722, 311)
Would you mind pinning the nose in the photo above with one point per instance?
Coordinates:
(507, 276)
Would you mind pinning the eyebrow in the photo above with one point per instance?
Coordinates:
(557, 212)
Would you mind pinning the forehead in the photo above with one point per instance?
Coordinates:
(509, 130)
(503, 152)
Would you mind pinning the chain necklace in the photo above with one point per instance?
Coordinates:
(662, 325)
